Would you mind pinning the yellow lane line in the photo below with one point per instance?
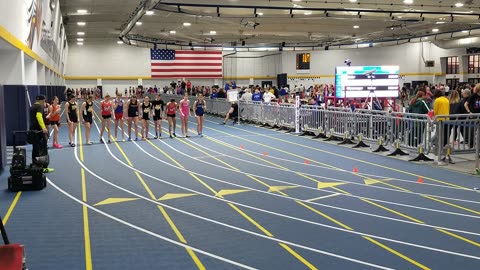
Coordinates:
(393, 211)
(247, 217)
(419, 265)
(86, 223)
(177, 232)
(296, 255)
(459, 237)
(181, 238)
(335, 154)
(453, 205)
(12, 206)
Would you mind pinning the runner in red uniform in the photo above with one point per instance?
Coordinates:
(107, 109)
(171, 114)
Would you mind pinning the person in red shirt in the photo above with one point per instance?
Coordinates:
(107, 111)
(171, 116)
(53, 116)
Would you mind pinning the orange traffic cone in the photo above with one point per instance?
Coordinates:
(355, 169)
(306, 161)
(242, 147)
(265, 153)
(420, 180)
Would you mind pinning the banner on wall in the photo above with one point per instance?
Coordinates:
(43, 21)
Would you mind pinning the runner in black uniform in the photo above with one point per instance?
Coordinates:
(72, 117)
(158, 108)
(87, 115)
(199, 107)
(133, 109)
(146, 108)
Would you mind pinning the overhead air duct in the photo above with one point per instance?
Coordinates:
(458, 43)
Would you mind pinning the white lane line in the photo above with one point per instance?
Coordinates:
(323, 197)
(335, 179)
(50, 182)
(263, 211)
(205, 218)
(306, 187)
(343, 170)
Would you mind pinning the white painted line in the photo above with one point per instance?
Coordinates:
(268, 212)
(323, 197)
(147, 231)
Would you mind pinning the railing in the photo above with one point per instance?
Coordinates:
(417, 133)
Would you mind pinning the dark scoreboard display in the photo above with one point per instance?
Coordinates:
(303, 61)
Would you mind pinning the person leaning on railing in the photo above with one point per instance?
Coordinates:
(418, 106)
(455, 108)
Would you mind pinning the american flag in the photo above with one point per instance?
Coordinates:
(176, 64)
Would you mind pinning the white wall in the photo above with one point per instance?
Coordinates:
(99, 60)
(45, 38)
(108, 60)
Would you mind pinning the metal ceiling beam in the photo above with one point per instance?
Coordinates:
(143, 7)
(318, 9)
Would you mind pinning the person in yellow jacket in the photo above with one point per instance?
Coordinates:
(441, 106)
(39, 135)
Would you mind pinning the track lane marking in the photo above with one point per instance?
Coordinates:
(342, 156)
(177, 232)
(86, 223)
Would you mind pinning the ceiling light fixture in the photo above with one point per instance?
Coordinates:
(81, 23)
(353, 1)
(439, 22)
(459, 4)
(80, 39)
(138, 23)
(119, 42)
(435, 30)
(81, 33)
(356, 26)
(82, 11)
(213, 32)
(260, 13)
(149, 12)
(465, 31)
(173, 32)
(187, 24)
(307, 13)
(408, 2)
(80, 43)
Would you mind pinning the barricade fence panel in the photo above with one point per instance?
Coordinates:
(448, 135)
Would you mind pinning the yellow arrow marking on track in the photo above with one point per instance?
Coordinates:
(329, 185)
(115, 200)
(225, 192)
(280, 188)
(370, 181)
(171, 196)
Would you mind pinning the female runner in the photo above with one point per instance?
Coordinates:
(72, 118)
(133, 109)
(171, 114)
(158, 107)
(199, 107)
(87, 115)
(54, 111)
(107, 109)
(118, 108)
(184, 114)
(146, 108)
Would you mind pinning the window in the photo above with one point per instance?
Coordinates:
(453, 83)
(303, 61)
(473, 81)
(474, 64)
(453, 65)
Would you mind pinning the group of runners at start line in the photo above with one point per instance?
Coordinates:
(134, 111)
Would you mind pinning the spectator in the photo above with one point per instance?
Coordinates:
(189, 87)
(418, 106)
(441, 106)
(268, 97)
(221, 93)
(467, 132)
(247, 96)
(455, 108)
